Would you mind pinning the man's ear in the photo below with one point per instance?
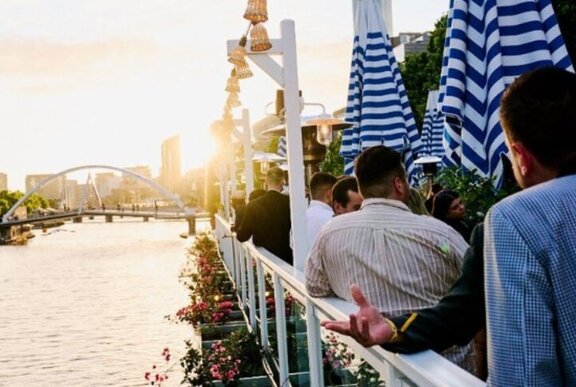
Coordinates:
(328, 195)
(337, 207)
(398, 183)
(524, 159)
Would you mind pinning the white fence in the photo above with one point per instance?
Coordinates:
(249, 266)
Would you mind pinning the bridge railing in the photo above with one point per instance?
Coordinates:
(295, 336)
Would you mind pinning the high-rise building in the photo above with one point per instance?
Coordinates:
(3, 182)
(53, 190)
(171, 173)
(73, 195)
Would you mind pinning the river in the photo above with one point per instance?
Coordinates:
(84, 304)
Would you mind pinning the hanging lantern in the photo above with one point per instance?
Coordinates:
(238, 55)
(259, 38)
(233, 85)
(243, 71)
(233, 100)
(256, 11)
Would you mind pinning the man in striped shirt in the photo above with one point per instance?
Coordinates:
(402, 261)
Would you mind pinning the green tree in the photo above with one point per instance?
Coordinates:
(566, 15)
(9, 198)
(421, 71)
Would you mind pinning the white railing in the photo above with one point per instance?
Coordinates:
(422, 369)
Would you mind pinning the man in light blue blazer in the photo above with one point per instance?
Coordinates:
(530, 245)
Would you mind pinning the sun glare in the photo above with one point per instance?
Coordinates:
(197, 149)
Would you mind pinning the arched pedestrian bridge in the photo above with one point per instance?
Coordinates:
(187, 211)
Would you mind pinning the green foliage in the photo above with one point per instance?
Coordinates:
(421, 71)
(196, 369)
(477, 193)
(9, 198)
(333, 163)
(566, 15)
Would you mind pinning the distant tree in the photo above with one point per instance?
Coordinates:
(9, 198)
(566, 15)
(421, 71)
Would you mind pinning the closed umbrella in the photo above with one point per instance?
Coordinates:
(433, 127)
(490, 43)
(377, 101)
(281, 149)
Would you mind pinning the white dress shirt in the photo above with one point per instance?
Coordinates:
(317, 215)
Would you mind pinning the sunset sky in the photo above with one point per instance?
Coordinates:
(106, 81)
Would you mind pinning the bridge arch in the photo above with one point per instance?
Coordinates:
(144, 179)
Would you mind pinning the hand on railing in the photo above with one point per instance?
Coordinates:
(367, 326)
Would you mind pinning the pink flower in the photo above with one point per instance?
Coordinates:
(147, 376)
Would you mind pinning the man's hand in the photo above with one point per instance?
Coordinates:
(368, 326)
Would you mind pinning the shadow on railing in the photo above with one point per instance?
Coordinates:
(264, 283)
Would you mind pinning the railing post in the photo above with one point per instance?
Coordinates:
(281, 330)
(262, 305)
(242, 258)
(251, 290)
(314, 345)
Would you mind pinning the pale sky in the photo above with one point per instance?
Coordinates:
(106, 81)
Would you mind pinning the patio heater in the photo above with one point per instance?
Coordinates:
(317, 133)
(429, 169)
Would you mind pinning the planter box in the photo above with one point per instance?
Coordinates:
(217, 332)
(250, 381)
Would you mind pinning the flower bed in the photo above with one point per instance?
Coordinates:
(230, 354)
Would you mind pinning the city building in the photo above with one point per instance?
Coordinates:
(106, 183)
(170, 172)
(3, 182)
(53, 190)
(408, 43)
(72, 194)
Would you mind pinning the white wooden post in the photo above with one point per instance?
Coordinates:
(294, 146)
(287, 77)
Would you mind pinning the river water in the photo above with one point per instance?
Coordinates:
(84, 305)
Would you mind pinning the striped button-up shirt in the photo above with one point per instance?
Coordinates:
(401, 261)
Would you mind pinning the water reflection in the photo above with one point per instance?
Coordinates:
(86, 307)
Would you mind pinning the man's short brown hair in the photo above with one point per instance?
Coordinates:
(275, 175)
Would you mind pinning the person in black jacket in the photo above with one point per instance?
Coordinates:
(267, 219)
(455, 320)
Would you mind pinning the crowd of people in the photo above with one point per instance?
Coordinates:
(423, 277)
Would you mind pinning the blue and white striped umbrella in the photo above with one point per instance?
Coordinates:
(488, 44)
(281, 149)
(377, 101)
(433, 127)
